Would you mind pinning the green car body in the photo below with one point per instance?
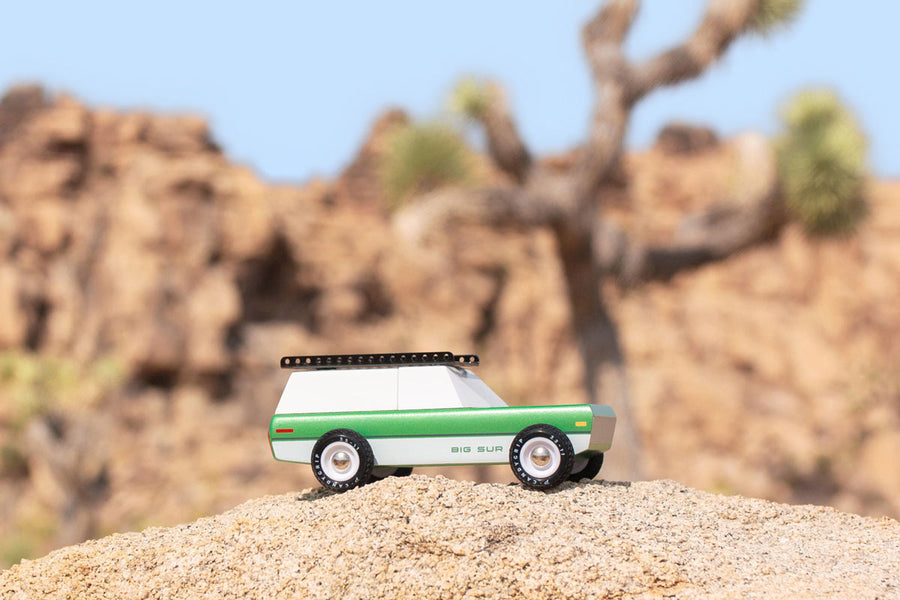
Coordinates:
(443, 436)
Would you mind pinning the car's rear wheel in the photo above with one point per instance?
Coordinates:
(586, 468)
(342, 459)
(379, 473)
(541, 457)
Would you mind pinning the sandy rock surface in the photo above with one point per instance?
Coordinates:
(424, 537)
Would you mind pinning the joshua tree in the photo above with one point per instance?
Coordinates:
(570, 203)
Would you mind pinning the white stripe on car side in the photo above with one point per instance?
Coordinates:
(412, 451)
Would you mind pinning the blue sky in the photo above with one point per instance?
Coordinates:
(291, 87)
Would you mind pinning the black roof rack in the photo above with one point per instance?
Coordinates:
(394, 359)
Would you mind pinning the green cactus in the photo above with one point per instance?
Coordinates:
(423, 157)
(772, 14)
(822, 163)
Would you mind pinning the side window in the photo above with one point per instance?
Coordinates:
(426, 387)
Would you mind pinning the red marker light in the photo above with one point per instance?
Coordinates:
(284, 430)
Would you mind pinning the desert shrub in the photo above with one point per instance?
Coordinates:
(470, 98)
(772, 14)
(822, 163)
(32, 385)
(27, 533)
(423, 157)
(13, 548)
(12, 462)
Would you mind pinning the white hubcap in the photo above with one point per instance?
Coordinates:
(540, 457)
(340, 461)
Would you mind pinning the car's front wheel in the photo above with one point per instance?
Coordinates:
(541, 457)
(342, 459)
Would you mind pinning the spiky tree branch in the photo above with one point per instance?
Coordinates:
(501, 207)
(755, 215)
(602, 38)
(486, 104)
(722, 23)
(506, 146)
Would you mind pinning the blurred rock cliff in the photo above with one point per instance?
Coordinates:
(130, 243)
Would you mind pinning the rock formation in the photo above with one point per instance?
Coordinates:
(424, 537)
(131, 238)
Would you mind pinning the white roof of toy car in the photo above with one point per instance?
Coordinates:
(385, 388)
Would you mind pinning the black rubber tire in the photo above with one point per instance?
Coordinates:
(362, 447)
(590, 470)
(554, 436)
(398, 472)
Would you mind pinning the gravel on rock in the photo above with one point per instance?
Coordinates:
(431, 537)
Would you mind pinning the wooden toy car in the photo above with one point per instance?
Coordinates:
(362, 417)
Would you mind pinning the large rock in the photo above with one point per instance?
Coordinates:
(423, 537)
